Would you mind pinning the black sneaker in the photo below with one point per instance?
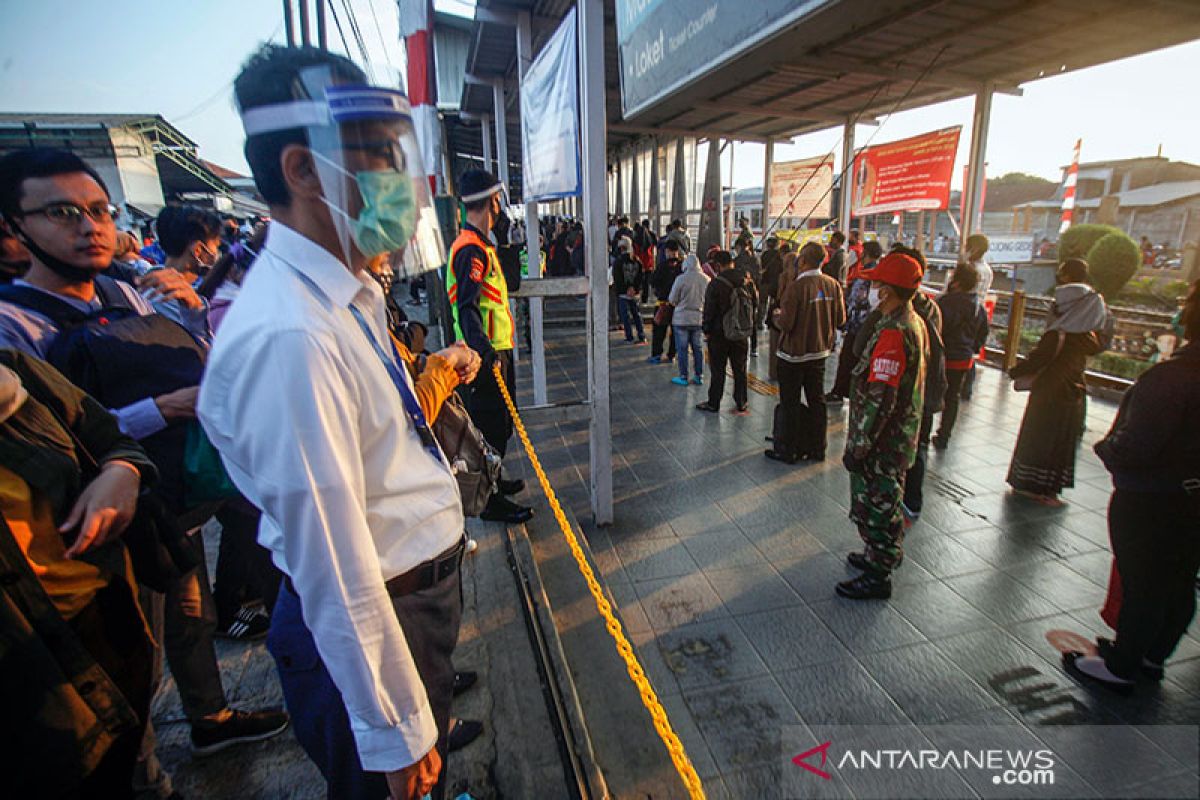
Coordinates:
(866, 587)
(781, 457)
(941, 442)
(511, 486)
(238, 728)
(501, 509)
(858, 561)
(463, 733)
(464, 680)
(249, 625)
(705, 406)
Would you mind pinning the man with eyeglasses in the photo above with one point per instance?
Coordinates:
(59, 208)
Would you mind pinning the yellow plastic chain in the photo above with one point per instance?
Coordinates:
(683, 765)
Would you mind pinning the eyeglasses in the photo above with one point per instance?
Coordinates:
(71, 213)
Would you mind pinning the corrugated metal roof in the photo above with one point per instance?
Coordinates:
(1147, 196)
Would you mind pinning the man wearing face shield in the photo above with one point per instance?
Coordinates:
(318, 425)
(886, 402)
(478, 293)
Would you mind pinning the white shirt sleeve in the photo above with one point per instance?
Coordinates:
(286, 413)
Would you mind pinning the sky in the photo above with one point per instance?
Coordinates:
(178, 58)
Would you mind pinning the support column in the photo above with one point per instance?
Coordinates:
(731, 211)
(592, 124)
(847, 204)
(711, 217)
(654, 202)
(679, 189)
(485, 124)
(619, 206)
(533, 251)
(768, 172)
(501, 135)
(976, 159)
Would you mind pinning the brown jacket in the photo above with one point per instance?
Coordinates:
(811, 310)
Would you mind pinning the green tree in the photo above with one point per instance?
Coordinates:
(1113, 260)
(1077, 241)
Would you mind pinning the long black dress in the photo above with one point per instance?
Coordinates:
(1044, 460)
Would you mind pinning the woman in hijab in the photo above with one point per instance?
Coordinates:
(1043, 463)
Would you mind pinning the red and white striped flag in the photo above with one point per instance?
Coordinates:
(1068, 204)
(416, 26)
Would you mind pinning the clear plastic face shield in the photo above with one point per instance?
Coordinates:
(368, 160)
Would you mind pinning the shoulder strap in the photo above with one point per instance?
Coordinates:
(44, 303)
(110, 293)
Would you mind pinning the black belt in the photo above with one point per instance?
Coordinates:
(420, 577)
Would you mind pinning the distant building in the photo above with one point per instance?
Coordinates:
(1153, 197)
(145, 161)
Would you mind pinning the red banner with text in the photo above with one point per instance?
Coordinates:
(909, 175)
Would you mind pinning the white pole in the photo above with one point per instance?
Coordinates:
(847, 177)
(768, 169)
(485, 124)
(501, 134)
(976, 158)
(592, 123)
(732, 211)
(532, 229)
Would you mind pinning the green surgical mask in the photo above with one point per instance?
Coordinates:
(389, 215)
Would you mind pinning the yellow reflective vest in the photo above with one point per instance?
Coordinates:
(493, 291)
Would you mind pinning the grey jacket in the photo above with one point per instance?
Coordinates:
(687, 294)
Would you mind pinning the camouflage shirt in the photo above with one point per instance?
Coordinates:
(888, 394)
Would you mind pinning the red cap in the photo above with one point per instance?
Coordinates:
(895, 269)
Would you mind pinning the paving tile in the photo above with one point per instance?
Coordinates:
(814, 577)
(756, 587)
(671, 602)
(709, 653)
(649, 559)
(725, 550)
(1004, 599)
(866, 626)
(788, 638)
(1105, 760)
(622, 594)
(1059, 584)
(1000, 549)
(692, 740)
(942, 556)
(936, 610)
(926, 684)
(742, 721)
(840, 692)
(791, 542)
(649, 655)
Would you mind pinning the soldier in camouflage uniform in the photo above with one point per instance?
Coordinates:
(885, 419)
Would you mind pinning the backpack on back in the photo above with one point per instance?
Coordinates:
(738, 322)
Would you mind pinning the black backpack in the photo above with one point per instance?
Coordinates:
(119, 356)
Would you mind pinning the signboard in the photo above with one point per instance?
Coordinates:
(550, 118)
(909, 175)
(1010, 248)
(663, 46)
(801, 188)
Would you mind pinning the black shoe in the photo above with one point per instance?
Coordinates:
(858, 561)
(834, 399)
(813, 457)
(780, 457)
(463, 733)
(941, 442)
(866, 587)
(240, 727)
(250, 624)
(511, 486)
(706, 406)
(464, 681)
(1068, 661)
(1155, 672)
(501, 509)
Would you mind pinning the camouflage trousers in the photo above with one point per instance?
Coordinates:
(875, 507)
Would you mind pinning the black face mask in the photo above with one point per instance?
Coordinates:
(68, 272)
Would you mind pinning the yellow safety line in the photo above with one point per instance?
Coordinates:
(683, 765)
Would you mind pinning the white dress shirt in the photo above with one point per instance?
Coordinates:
(984, 270)
(313, 432)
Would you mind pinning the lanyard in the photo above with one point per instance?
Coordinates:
(411, 406)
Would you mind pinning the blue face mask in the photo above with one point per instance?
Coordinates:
(389, 214)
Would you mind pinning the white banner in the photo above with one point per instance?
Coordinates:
(550, 118)
(801, 188)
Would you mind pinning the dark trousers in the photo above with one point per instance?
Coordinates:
(111, 630)
(914, 480)
(845, 367)
(954, 386)
(1156, 542)
(245, 571)
(804, 420)
(659, 336)
(968, 386)
(430, 621)
(631, 317)
(486, 404)
(721, 351)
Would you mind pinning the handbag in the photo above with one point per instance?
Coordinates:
(1025, 382)
(664, 314)
(475, 464)
(204, 474)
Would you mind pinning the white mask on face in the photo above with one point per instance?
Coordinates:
(873, 297)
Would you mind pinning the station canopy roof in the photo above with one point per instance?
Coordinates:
(852, 58)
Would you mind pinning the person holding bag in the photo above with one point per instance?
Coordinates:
(1043, 463)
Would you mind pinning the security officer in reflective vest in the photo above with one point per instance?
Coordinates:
(886, 404)
(478, 297)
